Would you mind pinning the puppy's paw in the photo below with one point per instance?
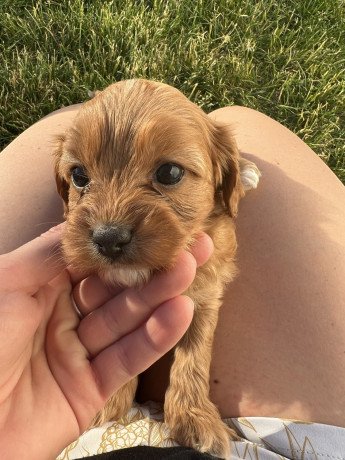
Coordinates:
(118, 405)
(249, 173)
(203, 433)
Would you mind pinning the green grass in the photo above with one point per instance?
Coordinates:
(283, 57)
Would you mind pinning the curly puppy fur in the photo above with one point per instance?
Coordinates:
(120, 138)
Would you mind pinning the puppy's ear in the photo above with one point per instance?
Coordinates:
(61, 185)
(225, 157)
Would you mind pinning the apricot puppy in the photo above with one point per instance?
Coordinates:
(142, 172)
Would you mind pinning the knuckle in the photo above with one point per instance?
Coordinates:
(125, 362)
(111, 320)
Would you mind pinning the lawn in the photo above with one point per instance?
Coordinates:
(285, 58)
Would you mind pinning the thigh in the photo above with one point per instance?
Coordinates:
(280, 344)
(29, 202)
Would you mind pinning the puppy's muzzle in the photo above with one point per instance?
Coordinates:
(111, 240)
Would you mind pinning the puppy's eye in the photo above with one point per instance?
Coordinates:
(169, 174)
(79, 177)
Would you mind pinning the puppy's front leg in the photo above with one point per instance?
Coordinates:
(118, 405)
(193, 419)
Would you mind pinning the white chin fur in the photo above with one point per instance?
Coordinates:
(126, 276)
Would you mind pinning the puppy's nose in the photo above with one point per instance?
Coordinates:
(111, 239)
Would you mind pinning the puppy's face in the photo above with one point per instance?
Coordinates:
(140, 172)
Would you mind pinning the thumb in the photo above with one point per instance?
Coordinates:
(33, 264)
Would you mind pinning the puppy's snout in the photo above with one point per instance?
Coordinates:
(110, 240)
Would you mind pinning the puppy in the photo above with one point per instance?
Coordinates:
(142, 172)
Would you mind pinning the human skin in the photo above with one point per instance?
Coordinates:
(56, 372)
(282, 325)
(279, 348)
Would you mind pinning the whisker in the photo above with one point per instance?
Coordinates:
(55, 255)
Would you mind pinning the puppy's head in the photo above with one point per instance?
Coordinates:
(140, 172)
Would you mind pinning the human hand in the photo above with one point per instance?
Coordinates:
(57, 370)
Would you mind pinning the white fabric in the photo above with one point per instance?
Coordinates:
(261, 438)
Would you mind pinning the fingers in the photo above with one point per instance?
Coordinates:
(138, 350)
(125, 335)
(35, 263)
(202, 248)
(91, 292)
(130, 308)
(87, 384)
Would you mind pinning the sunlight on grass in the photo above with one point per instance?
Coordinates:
(284, 58)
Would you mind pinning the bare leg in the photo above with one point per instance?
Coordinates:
(280, 344)
(29, 204)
